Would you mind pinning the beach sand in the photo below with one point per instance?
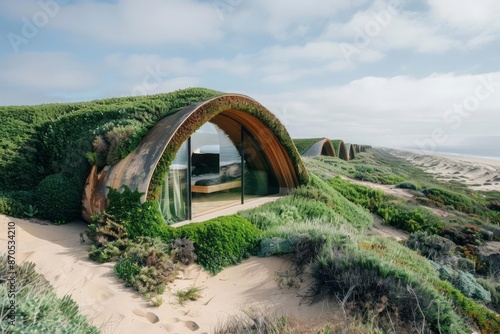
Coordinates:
(477, 172)
(63, 260)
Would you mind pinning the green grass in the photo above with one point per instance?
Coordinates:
(193, 293)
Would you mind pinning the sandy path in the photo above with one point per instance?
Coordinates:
(63, 260)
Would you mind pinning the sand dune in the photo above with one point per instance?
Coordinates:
(479, 173)
(63, 260)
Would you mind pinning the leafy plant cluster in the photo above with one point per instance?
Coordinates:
(401, 215)
(38, 309)
(382, 280)
(147, 266)
(459, 202)
(463, 281)
(217, 243)
(486, 320)
(221, 242)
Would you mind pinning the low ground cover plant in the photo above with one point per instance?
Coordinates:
(38, 309)
(401, 215)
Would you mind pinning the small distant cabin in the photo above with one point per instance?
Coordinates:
(340, 149)
(313, 147)
(351, 151)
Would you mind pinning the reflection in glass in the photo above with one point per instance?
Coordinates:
(216, 170)
(174, 194)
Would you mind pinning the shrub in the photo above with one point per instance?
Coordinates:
(456, 200)
(407, 185)
(375, 289)
(465, 265)
(464, 282)
(408, 218)
(487, 321)
(222, 241)
(147, 266)
(183, 251)
(9, 206)
(493, 287)
(104, 229)
(433, 247)
(127, 269)
(139, 219)
(110, 251)
(277, 246)
(58, 198)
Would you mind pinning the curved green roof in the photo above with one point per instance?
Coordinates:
(340, 149)
(312, 147)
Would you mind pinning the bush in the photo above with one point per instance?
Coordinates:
(493, 286)
(409, 218)
(487, 321)
(464, 282)
(456, 200)
(407, 185)
(433, 247)
(222, 241)
(104, 229)
(9, 206)
(110, 251)
(378, 289)
(127, 269)
(278, 246)
(183, 251)
(58, 198)
(147, 266)
(139, 219)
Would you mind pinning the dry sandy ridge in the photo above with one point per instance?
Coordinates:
(479, 173)
(63, 260)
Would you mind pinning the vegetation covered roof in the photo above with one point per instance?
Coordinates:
(303, 144)
(66, 139)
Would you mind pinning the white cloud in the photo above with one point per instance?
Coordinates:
(465, 14)
(281, 19)
(385, 28)
(476, 22)
(50, 71)
(399, 109)
(146, 22)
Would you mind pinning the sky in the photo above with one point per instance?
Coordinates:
(395, 73)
